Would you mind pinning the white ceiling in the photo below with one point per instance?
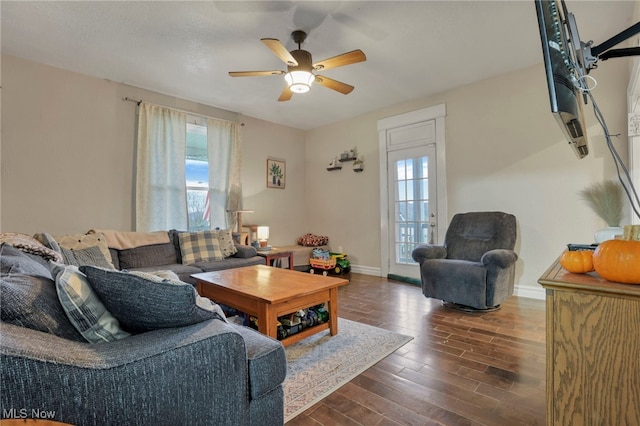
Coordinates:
(185, 49)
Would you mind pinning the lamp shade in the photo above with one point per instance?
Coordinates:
(299, 81)
(263, 232)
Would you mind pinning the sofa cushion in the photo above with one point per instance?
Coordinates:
(16, 261)
(31, 301)
(84, 309)
(199, 246)
(144, 256)
(183, 272)
(82, 241)
(231, 262)
(86, 256)
(144, 302)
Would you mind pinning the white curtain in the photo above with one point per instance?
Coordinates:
(225, 157)
(161, 193)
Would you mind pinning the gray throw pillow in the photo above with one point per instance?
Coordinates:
(31, 301)
(92, 256)
(144, 302)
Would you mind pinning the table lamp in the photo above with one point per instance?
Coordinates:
(263, 236)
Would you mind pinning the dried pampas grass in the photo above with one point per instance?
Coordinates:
(606, 199)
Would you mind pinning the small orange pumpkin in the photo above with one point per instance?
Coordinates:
(618, 261)
(577, 261)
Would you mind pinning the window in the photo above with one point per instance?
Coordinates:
(175, 154)
(197, 176)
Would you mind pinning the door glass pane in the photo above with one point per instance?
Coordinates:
(400, 170)
(412, 207)
(401, 193)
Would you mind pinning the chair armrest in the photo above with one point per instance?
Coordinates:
(130, 381)
(245, 252)
(501, 258)
(427, 251)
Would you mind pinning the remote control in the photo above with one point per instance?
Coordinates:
(575, 247)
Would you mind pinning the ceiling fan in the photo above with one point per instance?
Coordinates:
(299, 75)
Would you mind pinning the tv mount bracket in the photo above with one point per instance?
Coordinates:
(591, 54)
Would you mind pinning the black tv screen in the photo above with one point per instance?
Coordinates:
(563, 78)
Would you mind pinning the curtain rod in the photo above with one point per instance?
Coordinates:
(139, 101)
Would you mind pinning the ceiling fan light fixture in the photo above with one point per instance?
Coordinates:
(299, 81)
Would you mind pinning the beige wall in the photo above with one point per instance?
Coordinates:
(67, 161)
(281, 209)
(68, 147)
(504, 151)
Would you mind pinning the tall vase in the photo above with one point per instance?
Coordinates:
(608, 233)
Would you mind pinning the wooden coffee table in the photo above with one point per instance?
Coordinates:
(268, 293)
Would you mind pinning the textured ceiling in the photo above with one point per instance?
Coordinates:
(185, 49)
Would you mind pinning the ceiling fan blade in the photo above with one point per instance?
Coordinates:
(254, 73)
(348, 58)
(280, 51)
(336, 85)
(285, 95)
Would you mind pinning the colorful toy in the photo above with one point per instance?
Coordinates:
(329, 262)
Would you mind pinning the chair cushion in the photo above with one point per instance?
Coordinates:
(470, 235)
(144, 302)
(456, 281)
(84, 309)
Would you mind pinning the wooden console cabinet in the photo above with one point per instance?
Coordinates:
(593, 349)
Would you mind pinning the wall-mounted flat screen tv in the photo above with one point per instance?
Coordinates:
(563, 80)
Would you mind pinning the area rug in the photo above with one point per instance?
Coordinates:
(320, 364)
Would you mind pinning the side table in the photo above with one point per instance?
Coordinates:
(274, 253)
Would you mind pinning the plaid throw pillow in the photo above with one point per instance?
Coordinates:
(84, 309)
(202, 246)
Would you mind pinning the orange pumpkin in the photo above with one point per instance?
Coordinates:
(618, 260)
(577, 261)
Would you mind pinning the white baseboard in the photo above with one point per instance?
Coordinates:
(530, 292)
(366, 270)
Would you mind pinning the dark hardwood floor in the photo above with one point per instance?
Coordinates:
(460, 369)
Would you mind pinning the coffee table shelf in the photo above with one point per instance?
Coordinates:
(268, 293)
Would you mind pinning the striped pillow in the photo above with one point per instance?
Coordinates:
(84, 309)
(202, 246)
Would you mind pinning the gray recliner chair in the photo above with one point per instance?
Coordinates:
(475, 268)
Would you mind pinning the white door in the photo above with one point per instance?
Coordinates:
(412, 206)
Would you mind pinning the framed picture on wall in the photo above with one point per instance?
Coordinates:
(276, 173)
